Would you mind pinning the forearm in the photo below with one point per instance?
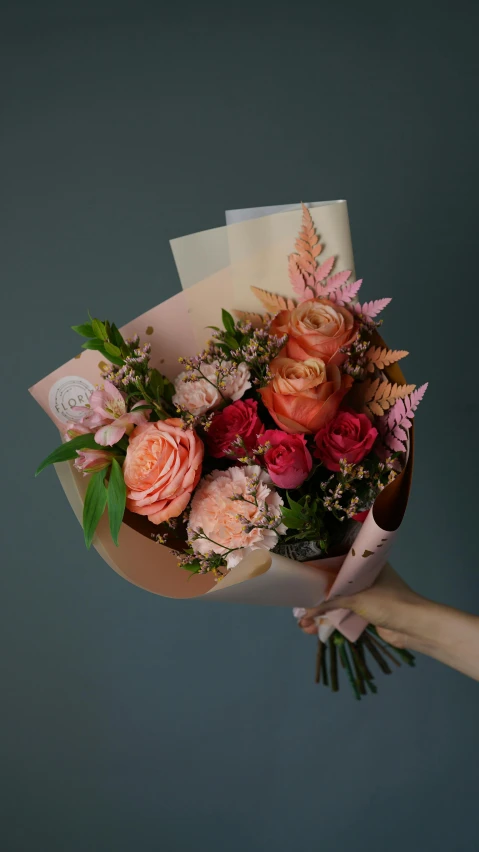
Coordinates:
(448, 635)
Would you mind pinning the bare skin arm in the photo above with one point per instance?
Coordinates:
(407, 620)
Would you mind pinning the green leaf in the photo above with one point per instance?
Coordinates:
(69, 450)
(84, 330)
(156, 383)
(228, 321)
(142, 407)
(194, 567)
(116, 495)
(99, 345)
(111, 349)
(116, 336)
(169, 390)
(94, 506)
(296, 507)
(99, 329)
(93, 344)
(230, 341)
(292, 521)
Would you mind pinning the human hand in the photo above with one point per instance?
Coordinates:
(389, 604)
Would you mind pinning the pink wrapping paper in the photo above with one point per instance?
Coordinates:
(177, 327)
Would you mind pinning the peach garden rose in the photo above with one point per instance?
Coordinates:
(161, 469)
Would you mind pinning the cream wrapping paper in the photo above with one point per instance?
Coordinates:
(217, 269)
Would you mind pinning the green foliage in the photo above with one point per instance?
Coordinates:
(116, 496)
(94, 506)
(69, 450)
(306, 517)
(104, 338)
(84, 330)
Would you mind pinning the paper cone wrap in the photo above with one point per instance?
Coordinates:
(217, 269)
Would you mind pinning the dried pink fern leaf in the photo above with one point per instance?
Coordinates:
(335, 282)
(380, 395)
(299, 280)
(380, 357)
(399, 419)
(307, 244)
(347, 293)
(272, 302)
(256, 320)
(369, 310)
(323, 271)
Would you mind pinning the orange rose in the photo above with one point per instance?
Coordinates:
(317, 328)
(304, 395)
(161, 469)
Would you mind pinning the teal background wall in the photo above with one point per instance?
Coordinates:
(130, 722)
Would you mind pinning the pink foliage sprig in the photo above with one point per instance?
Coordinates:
(369, 310)
(309, 279)
(395, 424)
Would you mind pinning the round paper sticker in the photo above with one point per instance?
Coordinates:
(65, 394)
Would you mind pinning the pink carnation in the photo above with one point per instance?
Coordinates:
(203, 394)
(230, 523)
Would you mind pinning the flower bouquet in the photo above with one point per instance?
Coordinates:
(269, 463)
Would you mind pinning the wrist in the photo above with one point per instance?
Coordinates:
(424, 619)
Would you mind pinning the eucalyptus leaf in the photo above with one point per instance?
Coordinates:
(116, 496)
(94, 506)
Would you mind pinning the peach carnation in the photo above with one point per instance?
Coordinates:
(208, 389)
(235, 511)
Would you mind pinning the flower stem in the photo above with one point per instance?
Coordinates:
(319, 655)
(376, 654)
(333, 665)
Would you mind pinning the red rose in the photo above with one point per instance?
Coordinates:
(347, 436)
(288, 461)
(237, 421)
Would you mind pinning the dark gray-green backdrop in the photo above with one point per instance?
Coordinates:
(130, 722)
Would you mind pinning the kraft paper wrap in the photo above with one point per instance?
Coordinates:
(216, 270)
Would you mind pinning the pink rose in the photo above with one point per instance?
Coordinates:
(161, 469)
(288, 461)
(237, 422)
(317, 328)
(347, 436)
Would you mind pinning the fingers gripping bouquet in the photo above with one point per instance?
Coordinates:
(258, 461)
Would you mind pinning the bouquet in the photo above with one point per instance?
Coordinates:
(273, 464)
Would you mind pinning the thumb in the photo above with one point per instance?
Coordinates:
(330, 606)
